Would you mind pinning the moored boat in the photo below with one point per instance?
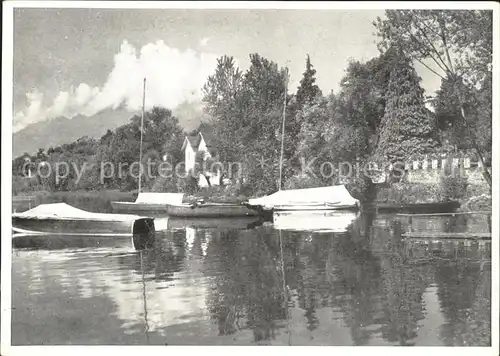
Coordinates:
(309, 199)
(209, 210)
(64, 219)
(428, 208)
(148, 202)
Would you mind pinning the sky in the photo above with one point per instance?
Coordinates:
(81, 61)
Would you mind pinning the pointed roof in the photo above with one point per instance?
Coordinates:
(194, 140)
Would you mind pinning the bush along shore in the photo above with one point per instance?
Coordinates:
(472, 197)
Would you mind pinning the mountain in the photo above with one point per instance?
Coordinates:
(57, 131)
(190, 115)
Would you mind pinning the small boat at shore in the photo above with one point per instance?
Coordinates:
(309, 199)
(428, 208)
(64, 219)
(171, 204)
(148, 202)
(209, 210)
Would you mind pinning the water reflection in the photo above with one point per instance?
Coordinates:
(365, 285)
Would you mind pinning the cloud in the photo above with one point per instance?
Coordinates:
(172, 77)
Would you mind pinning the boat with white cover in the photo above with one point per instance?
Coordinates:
(64, 219)
(335, 197)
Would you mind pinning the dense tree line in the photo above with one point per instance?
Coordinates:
(95, 163)
(379, 114)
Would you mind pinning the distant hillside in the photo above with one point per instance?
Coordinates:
(60, 130)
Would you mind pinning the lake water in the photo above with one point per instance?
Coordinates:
(234, 283)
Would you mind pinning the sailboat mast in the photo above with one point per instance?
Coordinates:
(142, 126)
(283, 127)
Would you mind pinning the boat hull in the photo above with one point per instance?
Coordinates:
(132, 207)
(210, 210)
(141, 230)
(444, 207)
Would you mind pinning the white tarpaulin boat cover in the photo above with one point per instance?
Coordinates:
(337, 194)
(65, 211)
(159, 198)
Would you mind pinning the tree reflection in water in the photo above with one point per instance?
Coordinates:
(249, 286)
(255, 279)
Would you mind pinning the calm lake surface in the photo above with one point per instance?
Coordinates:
(233, 283)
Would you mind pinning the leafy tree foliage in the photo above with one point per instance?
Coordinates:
(222, 93)
(477, 106)
(247, 118)
(458, 43)
(379, 112)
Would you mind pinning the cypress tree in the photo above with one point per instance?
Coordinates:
(308, 91)
(408, 128)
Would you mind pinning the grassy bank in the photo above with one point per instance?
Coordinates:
(472, 197)
(95, 201)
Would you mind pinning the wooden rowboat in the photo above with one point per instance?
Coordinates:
(153, 203)
(209, 210)
(64, 219)
(442, 207)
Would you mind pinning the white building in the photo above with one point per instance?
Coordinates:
(193, 145)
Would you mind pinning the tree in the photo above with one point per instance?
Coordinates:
(345, 127)
(162, 135)
(458, 43)
(262, 102)
(247, 116)
(362, 100)
(308, 91)
(221, 96)
(408, 128)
